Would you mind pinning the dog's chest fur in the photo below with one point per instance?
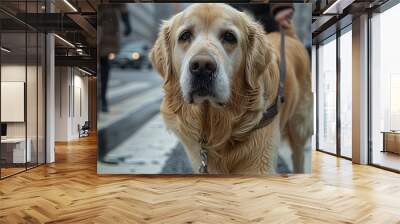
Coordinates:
(230, 143)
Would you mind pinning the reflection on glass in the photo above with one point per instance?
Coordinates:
(314, 90)
(327, 97)
(385, 86)
(31, 100)
(346, 94)
(41, 99)
(14, 152)
(22, 90)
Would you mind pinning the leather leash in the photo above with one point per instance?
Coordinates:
(273, 110)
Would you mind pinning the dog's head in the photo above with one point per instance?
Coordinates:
(209, 49)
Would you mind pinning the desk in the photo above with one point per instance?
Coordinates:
(391, 141)
(15, 148)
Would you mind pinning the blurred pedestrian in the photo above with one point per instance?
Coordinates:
(110, 41)
(271, 16)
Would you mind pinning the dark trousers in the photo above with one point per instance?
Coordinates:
(104, 72)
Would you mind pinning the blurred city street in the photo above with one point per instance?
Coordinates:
(132, 135)
(135, 137)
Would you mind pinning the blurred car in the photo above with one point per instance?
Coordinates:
(131, 55)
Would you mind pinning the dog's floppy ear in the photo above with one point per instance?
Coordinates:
(259, 52)
(160, 53)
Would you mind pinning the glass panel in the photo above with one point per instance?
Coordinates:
(327, 97)
(23, 82)
(41, 99)
(314, 90)
(31, 100)
(346, 94)
(385, 84)
(32, 88)
(13, 87)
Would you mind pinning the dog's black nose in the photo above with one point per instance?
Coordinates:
(202, 65)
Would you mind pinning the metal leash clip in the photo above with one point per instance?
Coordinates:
(203, 169)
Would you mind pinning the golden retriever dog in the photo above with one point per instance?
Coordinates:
(221, 72)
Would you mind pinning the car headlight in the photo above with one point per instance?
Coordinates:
(111, 56)
(135, 55)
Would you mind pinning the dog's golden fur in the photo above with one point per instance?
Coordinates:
(233, 146)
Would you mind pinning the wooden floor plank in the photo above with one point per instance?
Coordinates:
(70, 191)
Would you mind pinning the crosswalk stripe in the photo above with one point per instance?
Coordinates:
(114, 83)
(145, 152)
(126, 89)
(127, 106)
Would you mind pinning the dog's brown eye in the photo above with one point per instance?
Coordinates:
(229, 37)
(185, 36)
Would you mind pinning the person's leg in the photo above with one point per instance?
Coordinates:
(127, 23)
(104, 72)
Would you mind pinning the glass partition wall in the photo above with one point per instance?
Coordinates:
(385, 90)
(334, 94)
(22, 77)
(346, 95)
(334, 126)
(327, 96)
(13, 110)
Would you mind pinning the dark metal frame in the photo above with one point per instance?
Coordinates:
(316, 97)
(369, 90)
(338, 98)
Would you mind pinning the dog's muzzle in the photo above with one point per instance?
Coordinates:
(202, 68)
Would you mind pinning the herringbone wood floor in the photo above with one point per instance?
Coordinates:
(70, 191)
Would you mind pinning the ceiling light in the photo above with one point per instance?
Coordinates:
(65, 41)
(328, 10)
(70, 5)
(5, 50)
(338, 6)
(84, 71)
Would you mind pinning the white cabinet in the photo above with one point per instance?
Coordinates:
(17, 146)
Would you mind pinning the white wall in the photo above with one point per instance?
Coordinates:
(10, 73)
(80, 109)
(33, 106)
(17, 73)
(12, 100)
(71, 94)
(62, 80)
(14, 73)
